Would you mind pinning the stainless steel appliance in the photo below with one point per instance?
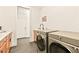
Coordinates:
(42, 40)
(62, 42)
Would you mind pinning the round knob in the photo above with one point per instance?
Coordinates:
(77, 49)
(59, 38)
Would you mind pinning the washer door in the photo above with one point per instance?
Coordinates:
(58, 48)
(40, 43)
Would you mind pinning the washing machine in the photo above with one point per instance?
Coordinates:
(56, 45)
(42, 40)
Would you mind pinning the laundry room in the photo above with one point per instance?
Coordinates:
(39, 29)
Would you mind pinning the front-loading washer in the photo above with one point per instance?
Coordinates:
(55, 45)
(42, 40)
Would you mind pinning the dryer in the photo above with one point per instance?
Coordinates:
(42, 40)
(56, 45)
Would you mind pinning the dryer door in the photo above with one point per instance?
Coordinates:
(57, 48)
(40, 43)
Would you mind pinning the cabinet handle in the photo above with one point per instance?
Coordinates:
(1, 51)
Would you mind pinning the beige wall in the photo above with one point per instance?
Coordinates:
(62, 17)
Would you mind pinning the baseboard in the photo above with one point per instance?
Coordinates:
(11, 48)
(32, 41)
(23, 38)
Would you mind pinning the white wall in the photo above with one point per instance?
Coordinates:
(62, 17)
(35, 17)
(8, 18)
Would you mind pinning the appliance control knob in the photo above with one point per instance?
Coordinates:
(77, 49)
(59, 38)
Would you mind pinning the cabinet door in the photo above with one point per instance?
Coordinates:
(5, 44)
(3, 48)
(8, 45)
(8, 42)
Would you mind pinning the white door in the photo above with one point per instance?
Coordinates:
(23, 22)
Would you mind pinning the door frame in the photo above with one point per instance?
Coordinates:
(29, 21)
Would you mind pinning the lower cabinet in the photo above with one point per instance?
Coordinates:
(5, 44)
(3, 48)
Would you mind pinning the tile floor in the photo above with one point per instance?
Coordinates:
(24, 46)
